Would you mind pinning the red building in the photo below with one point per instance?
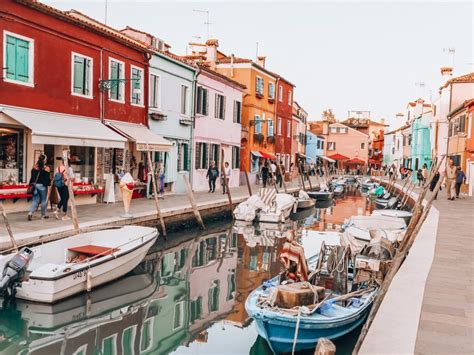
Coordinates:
(66, 78)
(283, 123)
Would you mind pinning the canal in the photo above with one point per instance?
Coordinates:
(187, 297)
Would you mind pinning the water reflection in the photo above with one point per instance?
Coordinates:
(188, 295)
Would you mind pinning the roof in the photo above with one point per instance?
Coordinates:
(129, 28)
(207, 69)
(466, 78)
(458, 109)
(82, 20)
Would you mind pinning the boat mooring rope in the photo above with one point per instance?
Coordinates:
(296, 331)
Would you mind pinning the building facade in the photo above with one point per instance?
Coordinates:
(298, 144)
(283, 123)
(421, 145)
(348, 142)
(315, 147)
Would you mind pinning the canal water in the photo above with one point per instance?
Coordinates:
(187, 297)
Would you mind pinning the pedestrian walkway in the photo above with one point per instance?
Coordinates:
(447, 316)
(143, 210)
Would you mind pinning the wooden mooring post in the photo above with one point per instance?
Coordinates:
(190, 194)
(7, 225)
(155, 193)
(248, 182)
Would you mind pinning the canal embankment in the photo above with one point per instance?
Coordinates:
(429, 306)
(175, 208)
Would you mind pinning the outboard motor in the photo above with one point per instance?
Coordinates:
(14, 271)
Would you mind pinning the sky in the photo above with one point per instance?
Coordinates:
(344, 55)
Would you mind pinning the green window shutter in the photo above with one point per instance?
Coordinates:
(199, 100)
(22, 56)
(114, 74)
(197, 157)
(87, 76)
(186, 157)
(10, 57)
(79, 75)
(206, 102)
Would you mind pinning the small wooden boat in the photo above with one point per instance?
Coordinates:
(386, 203)
(299, 328)
(304, 201)
(338, 190)
(277, 210)
(363, 227)
(322, 195)
(405, 215)
(248, 210)
(82, 262)
(367, 185)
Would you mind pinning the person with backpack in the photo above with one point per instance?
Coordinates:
(38, 185)
(212, 175)
(60, 181)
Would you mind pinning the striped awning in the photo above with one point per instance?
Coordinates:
(257, 154)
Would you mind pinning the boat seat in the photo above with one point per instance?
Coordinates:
(93, 250)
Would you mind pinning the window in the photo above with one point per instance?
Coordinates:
(271, 90)
(81, 75)
(146, 338)
(185, 100)
(279, 126)
(258, 124)
(462, 124)
(116, 74)
(201, 158)
(259, 85)
(235, 157)
(333, 129)
(202, 105)
(109, 345)
(322, 144)
(214, 154)
(280, 93)
(214, 297)
(343, 130)
(231, 285)
(196, 309)
(136, 86)
(183, 157)
(270, 128)
(220, 107)
(289, 97)
(18, 59)
(331, 145)
(155, 91)
(237, 111)
(362, 145)
(128, 340)
(82, 350)
(178, 315)
(288, 128)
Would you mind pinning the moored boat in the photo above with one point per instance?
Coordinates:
(66, 267)
(304, 201)
(278, 209)
(322, 195)
(405, 215)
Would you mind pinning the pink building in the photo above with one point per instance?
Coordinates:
(348, 142)
(218, 126)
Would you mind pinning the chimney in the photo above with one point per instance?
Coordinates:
(232, 57)
(211, 50)
(446, 72)
(261, 60)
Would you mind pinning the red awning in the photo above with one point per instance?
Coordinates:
(338, 157)
(267, 155)
(356, 161)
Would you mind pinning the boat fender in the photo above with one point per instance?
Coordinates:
(89, 280)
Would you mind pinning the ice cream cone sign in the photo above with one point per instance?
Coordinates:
(126, 186)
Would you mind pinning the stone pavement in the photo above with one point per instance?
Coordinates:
(143, 210)
(446, 323)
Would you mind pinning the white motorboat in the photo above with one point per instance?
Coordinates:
(304, 201)
(60, 269)
(405, 215)
(278, 209)
(361, 227)
(247, 211)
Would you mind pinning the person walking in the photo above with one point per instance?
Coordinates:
(419, 177)
(60, 181)
(227, 173)
(280, 170)
(40, 180)
(273, 168)
(450, 180)
(212, 175)
(424, 173)
(433, 183)
(460, 179)
(264, 173)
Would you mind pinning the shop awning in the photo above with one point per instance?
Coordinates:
(256, 153)
(305, 156)
(62, 129)
(338, 156)
(144, 138)
(356, 161)
(267, 155)
(326, 158)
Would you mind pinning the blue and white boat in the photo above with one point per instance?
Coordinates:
(288, 329)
